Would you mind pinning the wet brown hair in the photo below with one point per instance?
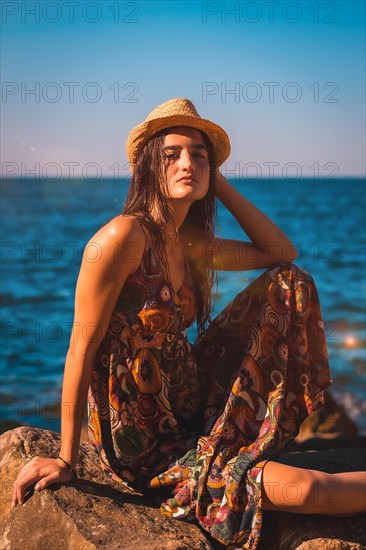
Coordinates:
(148, 189)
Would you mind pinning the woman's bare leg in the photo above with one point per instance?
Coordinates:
(303, 491)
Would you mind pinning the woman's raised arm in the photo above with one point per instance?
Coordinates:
(269, 244)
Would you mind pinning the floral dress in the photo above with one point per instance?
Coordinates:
(195, 424)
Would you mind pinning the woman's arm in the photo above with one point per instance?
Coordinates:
(109, 257)
(263, 232)
(77, 371)
(118, 247)
(268, 245)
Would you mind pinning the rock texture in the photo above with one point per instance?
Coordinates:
(90, 513)
(93, 512)
(329, 422)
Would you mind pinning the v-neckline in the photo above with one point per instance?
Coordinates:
(167, 282)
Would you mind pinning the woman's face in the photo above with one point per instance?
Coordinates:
(187, 164)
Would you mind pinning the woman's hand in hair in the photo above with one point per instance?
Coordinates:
(220, 182)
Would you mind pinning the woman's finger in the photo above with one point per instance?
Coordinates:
(25, 480)
(29, 474)
(48, 480)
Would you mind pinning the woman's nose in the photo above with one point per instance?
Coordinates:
(186, 160)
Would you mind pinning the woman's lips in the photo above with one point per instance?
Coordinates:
(187, 180)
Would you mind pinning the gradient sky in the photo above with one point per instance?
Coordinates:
(154, 51)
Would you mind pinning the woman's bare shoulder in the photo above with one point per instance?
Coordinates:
(109, 257)
(121, 226)
(122, 239)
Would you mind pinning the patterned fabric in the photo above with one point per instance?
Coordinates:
(195, 424)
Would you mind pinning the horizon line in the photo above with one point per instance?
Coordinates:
(4, 179)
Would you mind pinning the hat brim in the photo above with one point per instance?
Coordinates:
(143, 132)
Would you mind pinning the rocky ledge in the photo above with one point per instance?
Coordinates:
(92, 512)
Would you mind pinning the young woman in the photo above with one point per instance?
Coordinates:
(197, 425)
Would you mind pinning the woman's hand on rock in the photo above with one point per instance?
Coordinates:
(41, 471)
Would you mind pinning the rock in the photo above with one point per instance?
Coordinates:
(327, 443)
(328, 428)
(329, 421)
(90, 513)
(93, 512)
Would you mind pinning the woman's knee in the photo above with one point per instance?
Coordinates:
(292, 273)
(287, 266)
(289, 488)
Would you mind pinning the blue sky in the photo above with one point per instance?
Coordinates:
(150, 52)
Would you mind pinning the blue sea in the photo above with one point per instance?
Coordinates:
(45, 226)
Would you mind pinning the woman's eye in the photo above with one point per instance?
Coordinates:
(174, 156)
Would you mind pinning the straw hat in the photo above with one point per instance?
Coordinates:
(176, 112)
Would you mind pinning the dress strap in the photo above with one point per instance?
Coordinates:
(142, 222)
